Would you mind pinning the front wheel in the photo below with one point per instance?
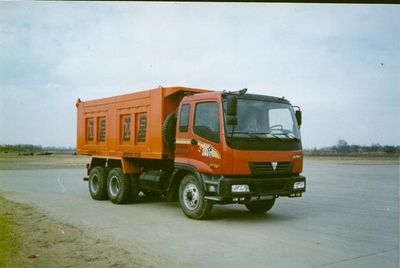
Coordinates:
(191, 198)
(260, 207)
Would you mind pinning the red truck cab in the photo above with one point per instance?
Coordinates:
(246, 148)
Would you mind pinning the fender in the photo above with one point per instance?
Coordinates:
(180, 171)
(128, 166)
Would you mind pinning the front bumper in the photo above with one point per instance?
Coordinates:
(219, 188)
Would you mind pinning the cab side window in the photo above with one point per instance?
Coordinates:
(206, 121)
(184, 118)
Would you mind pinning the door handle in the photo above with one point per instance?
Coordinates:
(194, 142)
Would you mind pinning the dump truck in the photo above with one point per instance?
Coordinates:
(201, 147)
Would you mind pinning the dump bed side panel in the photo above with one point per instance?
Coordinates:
(128, 125)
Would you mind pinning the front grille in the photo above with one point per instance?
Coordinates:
(275, 187)
(267, 168)
(268, 186)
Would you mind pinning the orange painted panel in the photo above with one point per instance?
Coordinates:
(128, 125)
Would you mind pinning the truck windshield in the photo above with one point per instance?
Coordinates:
(264, 119)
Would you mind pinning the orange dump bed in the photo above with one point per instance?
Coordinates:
(127, 125)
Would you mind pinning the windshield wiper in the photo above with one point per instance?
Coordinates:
(276, 135)
(254, 134)
(267, 135)
(251, 134)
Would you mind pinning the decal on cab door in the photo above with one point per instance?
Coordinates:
(208, 150)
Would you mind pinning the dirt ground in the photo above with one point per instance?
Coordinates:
(30, 238)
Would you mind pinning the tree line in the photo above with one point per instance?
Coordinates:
(31, 148)
(343, 147)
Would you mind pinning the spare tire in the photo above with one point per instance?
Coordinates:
(169, 131)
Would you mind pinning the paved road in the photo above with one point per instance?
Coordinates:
(349, 217)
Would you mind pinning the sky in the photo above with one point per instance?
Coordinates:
(339, 63)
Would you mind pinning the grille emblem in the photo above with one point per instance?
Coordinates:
(274, 165)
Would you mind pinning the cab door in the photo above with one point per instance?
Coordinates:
(183, 134)
(199, 140)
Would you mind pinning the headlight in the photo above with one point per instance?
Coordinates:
(298, 185)
(240, 188)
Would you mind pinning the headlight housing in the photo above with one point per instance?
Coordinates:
(298, 185)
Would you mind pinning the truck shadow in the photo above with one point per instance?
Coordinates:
(241, 214)
(150, 199)
(234, 212)
(238, 213)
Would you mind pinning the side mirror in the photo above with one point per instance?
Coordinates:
(231, 120)
(231, 105)
(298, 117)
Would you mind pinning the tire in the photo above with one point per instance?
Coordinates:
(118, 186)
(169, 131)
(98, 183)
(134, 188)
(260, 207)
(191, 198)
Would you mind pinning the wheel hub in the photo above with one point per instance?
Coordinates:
(114, 186)
(191, 196)
(94, 184)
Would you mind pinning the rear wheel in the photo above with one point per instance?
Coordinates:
(260, 207)
(98, 183)
(191, 198)
(118, 186)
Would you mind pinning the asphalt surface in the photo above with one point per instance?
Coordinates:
(349, 217)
